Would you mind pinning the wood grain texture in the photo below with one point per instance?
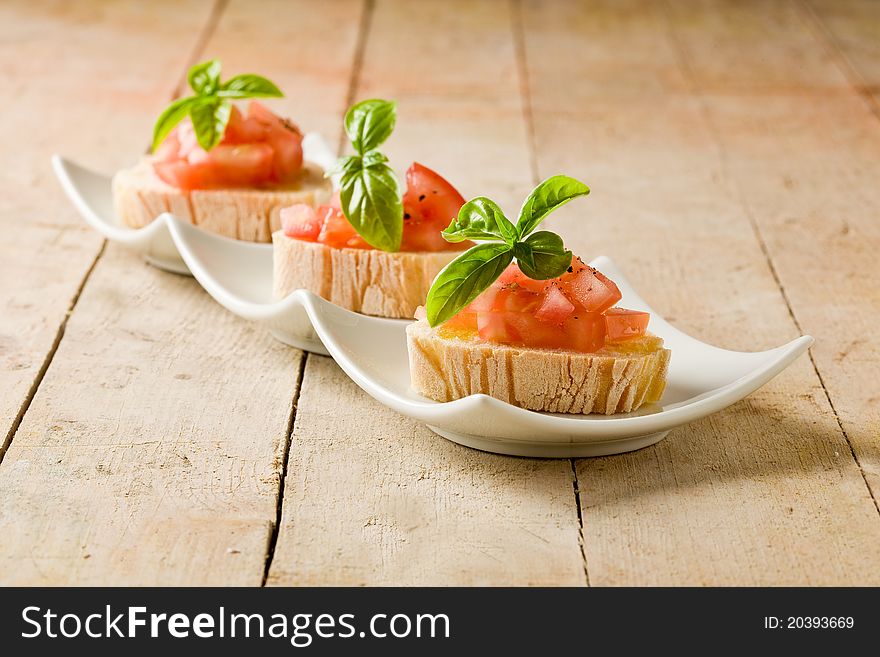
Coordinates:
(153, 449)
(371, 497)
(753, 47)
(763, 492)
(733, 165)
(854, 27)
(818, 219)
(106, 69)
(306, 48)
(161, 427)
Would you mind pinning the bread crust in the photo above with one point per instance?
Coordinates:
(139, 196)
(446, 366)
(367, 281)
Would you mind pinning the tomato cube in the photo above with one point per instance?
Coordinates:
(622, 324)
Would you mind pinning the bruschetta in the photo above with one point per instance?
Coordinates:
(526, 345)
(320, 251)
(520, 319)
(370, 249)
(225, 171)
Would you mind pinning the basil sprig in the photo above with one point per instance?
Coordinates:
(541, 255)
(211, 104)
(368, 188)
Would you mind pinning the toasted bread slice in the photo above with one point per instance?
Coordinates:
(364, 280)
(139, 196)
(447, 364)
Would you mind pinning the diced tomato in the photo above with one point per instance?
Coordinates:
(300, 222)
(284, 138)
(241, 164)
(180, 174)
(422, 228)
(590, 288)
(169, 148)
(430, 203)
(225, 166)
(555, 308)
(464, 321)
(257, 150)
(622, 324)
(517, 310)
(584, 331)
(337, 232)
(513, 274)
(244, 130)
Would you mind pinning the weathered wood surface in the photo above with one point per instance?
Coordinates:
(762, 492)
(105, 70)
(148, 454)
(733, 149)
(373, 498)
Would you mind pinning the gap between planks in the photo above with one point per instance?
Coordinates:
(59, 334)
(288, 439)
(697, 93)
(354, 83)
(360, 47)
(519, 45)
(201, 41)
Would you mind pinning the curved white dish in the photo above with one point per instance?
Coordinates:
(239, 277)
(702, 379)
(91, 194)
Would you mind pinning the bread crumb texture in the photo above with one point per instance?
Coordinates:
(613, 380)
(364, 280)
(139, 196)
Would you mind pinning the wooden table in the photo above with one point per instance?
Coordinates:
(733, 149)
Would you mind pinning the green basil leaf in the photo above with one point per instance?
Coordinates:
(463, 279)
(542, 255)
(371, 202)
(249, 86)
(173, 114)
(372, 158)
(347, 163)
(369, 123)
(209, 121)
(204, 78)
(480, 219)
(550, 195)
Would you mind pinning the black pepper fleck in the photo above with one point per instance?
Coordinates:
(422, 197)
(406, 215)
(570, 269)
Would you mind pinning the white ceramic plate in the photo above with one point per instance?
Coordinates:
(91, 194)
(702, 379)
(239, 277)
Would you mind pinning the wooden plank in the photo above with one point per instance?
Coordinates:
(152, 451)
(373, 498)
(818, 218)
(830, 196)
(87, 81)
(765, 491)
(307, 50)
(854, 28)
(750, 46)
(154, 448)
